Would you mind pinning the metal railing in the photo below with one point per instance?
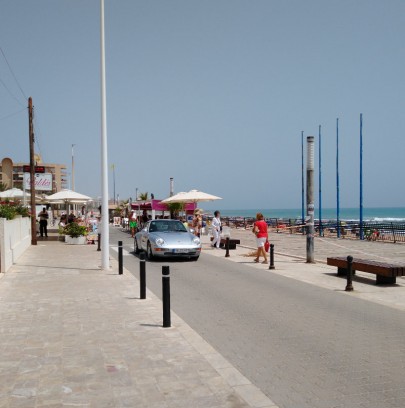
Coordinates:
(372, 231)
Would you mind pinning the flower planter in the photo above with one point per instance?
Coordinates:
(75, 241)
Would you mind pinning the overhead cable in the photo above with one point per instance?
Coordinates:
(11, 94)
(12, 73)
(13, 114)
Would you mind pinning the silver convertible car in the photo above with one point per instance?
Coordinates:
(167, 238)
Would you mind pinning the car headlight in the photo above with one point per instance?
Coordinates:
(196, 241)
(159, 241)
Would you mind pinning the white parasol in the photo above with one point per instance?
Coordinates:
(16, 193)
(192, 196)
(68, 196)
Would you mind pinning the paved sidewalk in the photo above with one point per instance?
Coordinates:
(72, 335)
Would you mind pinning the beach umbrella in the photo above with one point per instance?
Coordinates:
(192, 196)
(68, 196)
(17, 194)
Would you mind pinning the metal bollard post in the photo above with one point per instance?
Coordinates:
(227, 247)
(142, 276)
(99, 242)
(272, 257)
(166, 295)
(120, 259)
(349, 286)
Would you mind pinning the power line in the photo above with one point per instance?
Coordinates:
(11, 94)
(13, 114)
(12, 73)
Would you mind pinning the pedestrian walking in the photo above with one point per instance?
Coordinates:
(133, 224)
(262, 236)
(216, 229)
(43, 222)
(197, 222)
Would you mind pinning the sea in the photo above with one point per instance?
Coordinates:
(379, 214)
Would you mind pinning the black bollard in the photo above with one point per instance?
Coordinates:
(272, 257)
(349, 286)
(227, 247)
(120, 259)
(142, 275)
(99, 242)
(166, 295)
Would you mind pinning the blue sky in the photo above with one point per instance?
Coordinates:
(212, 93)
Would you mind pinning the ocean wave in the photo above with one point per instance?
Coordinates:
(384, 219)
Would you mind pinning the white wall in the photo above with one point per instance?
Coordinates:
(15, 238)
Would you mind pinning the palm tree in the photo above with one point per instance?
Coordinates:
(3, 187)
(143, 196)
(175, 209)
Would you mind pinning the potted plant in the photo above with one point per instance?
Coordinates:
(75, 234)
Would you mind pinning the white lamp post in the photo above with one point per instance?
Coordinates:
(105, 239)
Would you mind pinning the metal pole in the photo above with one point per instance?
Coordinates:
(73, 169)
(310, 199)
(99, 242)
(272, 257)
(227, 247)
(32, 172)
(320, 184)
(171, 187)
(104, 161)
(113, 169)
(361, 177)
(120, 259)
(302, 179)
(337, 180)
(142, 276)
(166, 296)
(349, 285)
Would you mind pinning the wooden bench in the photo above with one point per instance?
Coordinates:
(232, 242)
(386, 273)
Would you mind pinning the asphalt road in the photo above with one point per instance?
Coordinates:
(304, 346)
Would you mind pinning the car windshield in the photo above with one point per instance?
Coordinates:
(172, 226)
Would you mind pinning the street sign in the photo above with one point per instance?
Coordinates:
(38, 169)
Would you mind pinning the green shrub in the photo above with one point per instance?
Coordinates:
(75, 230)
(21, 210)
(7, 211)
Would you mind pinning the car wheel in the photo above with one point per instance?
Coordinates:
(149, 251)
(136, 248)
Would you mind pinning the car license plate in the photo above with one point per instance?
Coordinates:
(180, 251)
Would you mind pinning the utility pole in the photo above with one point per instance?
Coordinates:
(32, 173)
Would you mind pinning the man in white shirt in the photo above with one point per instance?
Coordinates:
(216, 230)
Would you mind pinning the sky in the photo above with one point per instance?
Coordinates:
(213, 93)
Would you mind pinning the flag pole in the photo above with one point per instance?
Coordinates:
(361, 177)
(105, 239)
(337, 180)
(320, 185)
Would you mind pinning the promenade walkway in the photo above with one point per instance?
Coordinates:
(290, 261)
(72, 335)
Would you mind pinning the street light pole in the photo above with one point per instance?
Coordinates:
(105, 242)
(310, 199)
(73, 169)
